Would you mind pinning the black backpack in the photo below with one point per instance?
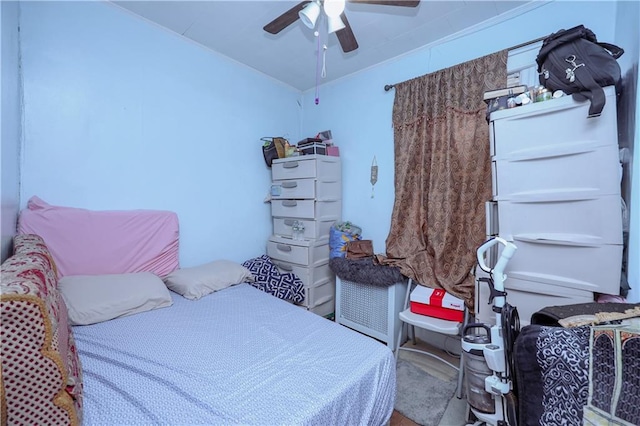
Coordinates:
(575, 62)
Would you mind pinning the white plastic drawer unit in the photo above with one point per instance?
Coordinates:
(566, 262)
(593, 219)
(310, 277)
(307, 209)
(587, 169)
(313, 229)
(552, 123)
(319, 189)
(324, 310)
(324, 292)
(528, 297)
(306, 253)
(306, 166)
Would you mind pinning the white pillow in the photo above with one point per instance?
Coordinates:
(198, 281)
(96, 298)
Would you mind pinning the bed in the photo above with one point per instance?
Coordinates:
(235, 355)
(238, 356)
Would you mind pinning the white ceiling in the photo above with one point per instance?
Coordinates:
(234, 29)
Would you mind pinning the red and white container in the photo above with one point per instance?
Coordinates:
(436, 303)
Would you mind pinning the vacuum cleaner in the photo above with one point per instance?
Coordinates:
(488, 366)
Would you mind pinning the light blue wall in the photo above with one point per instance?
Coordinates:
(358, 110)
(121, 114)
(10, 124)
(628, 36)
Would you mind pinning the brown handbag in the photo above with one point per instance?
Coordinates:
(359, 249)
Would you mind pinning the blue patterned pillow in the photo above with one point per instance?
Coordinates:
(269, 279)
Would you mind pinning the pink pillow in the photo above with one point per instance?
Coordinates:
(88, 242)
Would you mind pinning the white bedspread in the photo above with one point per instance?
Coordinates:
(238, 356)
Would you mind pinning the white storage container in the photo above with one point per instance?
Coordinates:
(321, 190)
(320, 294)
(313, 229)
(552, 123)
(311, 253)
(307, 191)
(310, 277)
(528, 297)
(491, 216)
(567, 262)
(593, 219)
(326, 309)
(556, 181)
(308, 166)
(307, 209)
(585, 170)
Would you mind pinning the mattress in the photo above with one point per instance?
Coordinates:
(238, 356)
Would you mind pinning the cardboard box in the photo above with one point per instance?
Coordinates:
(436, 303)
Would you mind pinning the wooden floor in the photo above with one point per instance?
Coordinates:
(398, 419)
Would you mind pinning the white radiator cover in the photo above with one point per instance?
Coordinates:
(370, 309)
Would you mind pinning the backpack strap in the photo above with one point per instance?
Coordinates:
(593, 92)
(615, 51)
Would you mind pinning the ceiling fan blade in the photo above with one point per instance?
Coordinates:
(405, 3)
(345, 36)
(286, 19)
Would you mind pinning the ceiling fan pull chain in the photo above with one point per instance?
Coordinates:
(317, 34)
(324, 61)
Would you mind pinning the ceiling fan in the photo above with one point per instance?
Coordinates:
(309, 11)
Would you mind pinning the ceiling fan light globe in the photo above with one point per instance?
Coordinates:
(309, 14)
(333, 8)
(334, 24)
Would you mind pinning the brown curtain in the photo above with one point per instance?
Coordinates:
(442, 174)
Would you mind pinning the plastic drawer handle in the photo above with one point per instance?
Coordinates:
(283, 247)
(291, 165)
(289, 184)
(284, 267)
(289, 222)
(289, 203)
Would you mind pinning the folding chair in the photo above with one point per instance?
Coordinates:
(437, 325)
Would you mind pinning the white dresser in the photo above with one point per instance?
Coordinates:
(306, 199)
(556, 189)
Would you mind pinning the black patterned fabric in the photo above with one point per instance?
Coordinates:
(269, 279)
(603, 372)
(552, 369)
(629, 405)
(550, 315)
(615, 377)
(578, 376)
